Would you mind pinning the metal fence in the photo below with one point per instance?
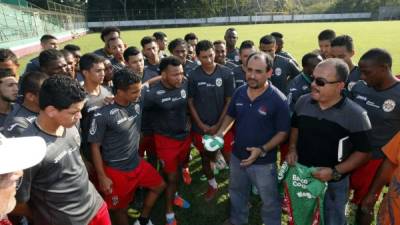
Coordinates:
(18, 22)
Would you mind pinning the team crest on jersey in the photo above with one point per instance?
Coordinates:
(388, 105)
(262, 110)
(137, 108)
(183, 93)
(160, 92)
(113, 111)
(114, 200)
(278, 71)
(218, 82)
(93, 127)
(350, 85)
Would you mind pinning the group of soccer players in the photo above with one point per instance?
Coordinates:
(123, 118)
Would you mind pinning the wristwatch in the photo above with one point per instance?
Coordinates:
(263, 151)
(336, 176)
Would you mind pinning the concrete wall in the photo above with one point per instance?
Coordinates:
(233, 19)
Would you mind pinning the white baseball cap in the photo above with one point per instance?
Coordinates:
(20, 153)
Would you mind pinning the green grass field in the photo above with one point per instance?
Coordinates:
(300, 38)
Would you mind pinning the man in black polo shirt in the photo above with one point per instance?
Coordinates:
(150, 51)
(239, 72)
(330, 132)
(114, 136)
(220, 55)
(231, 37)
(210, 88)
(301, 84)
(261, 115)
(284, 69)
(107, 34)
(342, 47)
(379, 95)
(168, 100)
(178, 48)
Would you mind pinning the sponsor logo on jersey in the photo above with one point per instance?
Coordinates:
(93, 127)
(351, 85)
(113, 111)
(122, 120)
(165, 99)
(218, 82)
(305, 87)
(278, 71)
(262, 110)
(388, 105)
(160, 92)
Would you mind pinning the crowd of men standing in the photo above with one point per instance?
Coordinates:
(107, 117)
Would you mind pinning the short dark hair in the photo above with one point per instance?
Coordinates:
(219, 42)
(341, 68)
(379, 56)
(268, 59)
(66, 53)
(72, 48)
(230, 29)
(32, 81)
(7, 54)
(131, 51)
(327, 35)
(176, 42)
(246, 44)
(190, 36)
(307, 57)
(47, 37)
(159, 35)
(5, 72)
(46, 57)
(343, 41)
(123, 79)
(87, 60)
(146, 40)
(170, 60)
(107, 30)
(203, 45)
(61, 92)
(267, 39)
(277, 35)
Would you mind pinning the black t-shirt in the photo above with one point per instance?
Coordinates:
(297, 87)
(18, 120)
(152, 67)
(189, 66)
(240, 76)
(327, 137)
(58, 189)
(209, 93)
(117, 129)
(170, 108)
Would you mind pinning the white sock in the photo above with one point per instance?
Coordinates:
(170, 216)
(213, 183)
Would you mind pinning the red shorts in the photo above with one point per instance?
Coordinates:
(102, 217)
(228, 141)
(284, 150)
(361, 179)
(126, 182)
(171, 152)
(147, 145)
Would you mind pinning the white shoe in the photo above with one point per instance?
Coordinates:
(138, 223)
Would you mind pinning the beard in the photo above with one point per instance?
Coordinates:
(253, 84)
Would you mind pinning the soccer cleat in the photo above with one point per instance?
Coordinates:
(187, 179)
(180, 202)
(133, 213)
(211, 193)
(172, 222)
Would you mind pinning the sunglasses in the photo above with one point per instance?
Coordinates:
(321, 81)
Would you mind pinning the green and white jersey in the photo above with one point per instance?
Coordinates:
(303, 194)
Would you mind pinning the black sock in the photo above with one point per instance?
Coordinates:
(143, 221)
